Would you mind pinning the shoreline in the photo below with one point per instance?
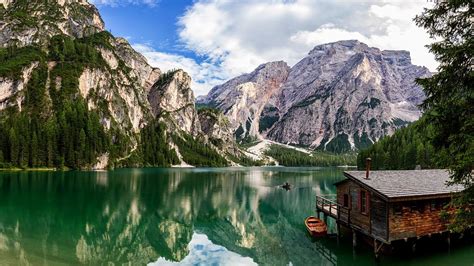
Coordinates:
(40, 169)
(52, 169)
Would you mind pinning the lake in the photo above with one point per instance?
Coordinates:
(208, 216)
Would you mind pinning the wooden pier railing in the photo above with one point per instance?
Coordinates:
(333, 209)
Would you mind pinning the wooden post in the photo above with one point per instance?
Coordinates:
(448, 240)
(338, 233)
(354, 238)
(377, 247)
(376, 250)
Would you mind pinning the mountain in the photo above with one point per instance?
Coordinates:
(73, 95)
(342, 96)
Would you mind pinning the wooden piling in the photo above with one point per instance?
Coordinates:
(354, 239)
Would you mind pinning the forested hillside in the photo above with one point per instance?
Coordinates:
(407, 148)
(57, 130)
(292, 157)
(53, 126)
(74, 96)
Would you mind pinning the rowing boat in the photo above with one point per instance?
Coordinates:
(316, 227)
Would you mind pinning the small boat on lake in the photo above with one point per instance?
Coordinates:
(286, 186)
(316, 227)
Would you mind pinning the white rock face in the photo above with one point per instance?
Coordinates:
(102, 162)
(342, 95)
(89, 80)
(109, 58)
(5, 3)
(175, 97)
(119, 92)
(125, 106)
(76, 18)
(146, 75)
(243, 99)
(9, 87)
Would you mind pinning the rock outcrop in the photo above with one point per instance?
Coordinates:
(244, 98)
(34, 22)
(171, 97)
(342, 96)
(217, 129)
(67, 50)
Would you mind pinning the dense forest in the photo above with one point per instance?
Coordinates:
(407, 148)
(56, 131)
(292, 157)
(153, 148)
(197, 153)
(54, 127)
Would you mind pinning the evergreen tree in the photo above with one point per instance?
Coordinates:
(14, 146)
(449, 106)
(405, 149)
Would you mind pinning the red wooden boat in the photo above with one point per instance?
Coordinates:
(316, 227)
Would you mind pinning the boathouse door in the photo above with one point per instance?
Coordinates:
(378, 217)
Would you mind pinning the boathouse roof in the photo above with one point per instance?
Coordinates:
(406, 183)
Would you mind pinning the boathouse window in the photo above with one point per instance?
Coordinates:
(421, 206)
(397, 208)
(346, 200)
(363, 201)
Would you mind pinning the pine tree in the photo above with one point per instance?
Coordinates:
(34, 151)
(14, 146)
(449, 106)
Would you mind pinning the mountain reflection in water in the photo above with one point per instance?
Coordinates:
(203, 251)
(142, 216)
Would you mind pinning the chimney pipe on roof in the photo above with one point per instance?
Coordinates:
(367, 167)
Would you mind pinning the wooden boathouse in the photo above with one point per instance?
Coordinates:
(388, 206)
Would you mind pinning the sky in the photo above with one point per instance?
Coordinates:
(215, 40)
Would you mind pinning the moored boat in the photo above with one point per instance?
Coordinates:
(316, 227)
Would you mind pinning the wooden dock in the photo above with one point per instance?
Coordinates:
(342, 216)
(332, 209)
(383, 207)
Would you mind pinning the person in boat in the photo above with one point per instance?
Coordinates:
(287, 186)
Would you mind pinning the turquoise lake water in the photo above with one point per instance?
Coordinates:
(206, 216)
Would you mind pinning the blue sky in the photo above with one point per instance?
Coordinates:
(214, 40)
(155, 25)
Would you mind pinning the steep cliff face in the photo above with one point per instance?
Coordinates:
(27, 22)
(218, 131)
(342, 96)
(121, 78)
(243, 99)
(172, 98)
(60, 68)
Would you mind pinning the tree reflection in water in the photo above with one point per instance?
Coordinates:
(141, 215)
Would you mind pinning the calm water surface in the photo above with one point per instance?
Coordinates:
(231, 216)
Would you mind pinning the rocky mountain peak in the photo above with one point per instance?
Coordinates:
(34, 22)
(73, 66)
(342, 96)
(244, 98)
(172, 95)
(345, 45)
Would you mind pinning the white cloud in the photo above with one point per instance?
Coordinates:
(203, 252)
(115, 3)
(204, 75)
(237, 36)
